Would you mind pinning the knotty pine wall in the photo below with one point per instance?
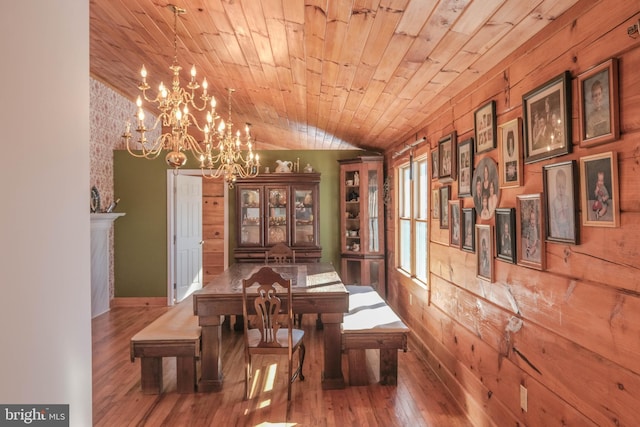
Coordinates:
(213, 250)
(578, 351)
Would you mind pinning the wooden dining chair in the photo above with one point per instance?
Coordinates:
(283, 254)
(280, 253)
(275, 333)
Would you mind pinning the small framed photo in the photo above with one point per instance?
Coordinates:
(505, 232)
(529, 226)
(435, 203)
(547, 119)
(434, 164)
(484, 255)
(445, 193)
(465, 167)
(484, 120)
(469, 227)
(510, 153)
(485, 188)
(561, 202)
(599, 188)
(599, 105)
(454, 223)
(447, 157)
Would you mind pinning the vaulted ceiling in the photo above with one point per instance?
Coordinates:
(317, 74)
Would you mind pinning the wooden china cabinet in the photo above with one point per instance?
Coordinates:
(362, 222)
(278, 207)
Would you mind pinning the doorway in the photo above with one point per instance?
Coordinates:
(197, 232)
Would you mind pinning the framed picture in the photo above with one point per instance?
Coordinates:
(435, 203)
(454, 223)
(505, 232)
(469, 227)
(445, 193)
(434, 164)
(484, 120)
(485, 188)
(465, 167)
(510, 153)
(484, 255)
(529, 226)
(447, 157)
(598, 102)
(560, 182)
(599, 187)
(547, 119)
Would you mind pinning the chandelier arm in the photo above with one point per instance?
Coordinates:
(219, 151)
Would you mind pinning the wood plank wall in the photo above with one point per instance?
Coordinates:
(578, 350)
(212, 228)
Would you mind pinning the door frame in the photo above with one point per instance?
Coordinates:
(171, 182)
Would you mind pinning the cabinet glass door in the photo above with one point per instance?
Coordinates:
(304, 232)
(374, 213)
(353, 226)
(251, 216)
(277, 215)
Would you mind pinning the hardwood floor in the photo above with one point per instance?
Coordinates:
(418, 399)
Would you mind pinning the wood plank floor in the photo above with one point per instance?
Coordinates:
(418, 399)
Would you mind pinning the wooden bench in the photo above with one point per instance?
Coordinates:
(372, 324)
(174, 334)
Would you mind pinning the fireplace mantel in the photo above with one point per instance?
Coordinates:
(100, 225)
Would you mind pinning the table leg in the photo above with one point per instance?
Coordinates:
(211, 366)
(332, 377)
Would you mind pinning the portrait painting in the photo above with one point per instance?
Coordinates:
(455, 238)
(465, 167)
(599, 104)
(530, 226)
(485, 188)
(435, 203)
(599, 188)
(505, 234)
(547, 119)
(434, 164)
(485, 127)
(560, 197)
(510, 153)
(447, 157)
(469, 229)
(484, 254)
(445, 193)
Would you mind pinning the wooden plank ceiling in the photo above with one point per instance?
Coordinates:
(317, 74)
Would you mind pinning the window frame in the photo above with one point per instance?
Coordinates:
(419, 191)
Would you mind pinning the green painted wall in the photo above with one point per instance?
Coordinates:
(140, 237)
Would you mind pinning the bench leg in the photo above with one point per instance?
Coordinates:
(388, 366)
(186, 373)
(151, 375)
(357, 367)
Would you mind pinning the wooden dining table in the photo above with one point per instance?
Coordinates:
(317, 288)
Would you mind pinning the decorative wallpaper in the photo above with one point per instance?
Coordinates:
(109, 112)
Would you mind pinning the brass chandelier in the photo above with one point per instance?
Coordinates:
(220, 151)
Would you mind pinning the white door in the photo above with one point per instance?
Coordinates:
(188, 235)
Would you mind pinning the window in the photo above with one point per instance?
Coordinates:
(413, 216)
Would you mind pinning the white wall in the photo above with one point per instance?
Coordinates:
(45, 326)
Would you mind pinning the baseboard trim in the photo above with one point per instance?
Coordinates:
(139, 302)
